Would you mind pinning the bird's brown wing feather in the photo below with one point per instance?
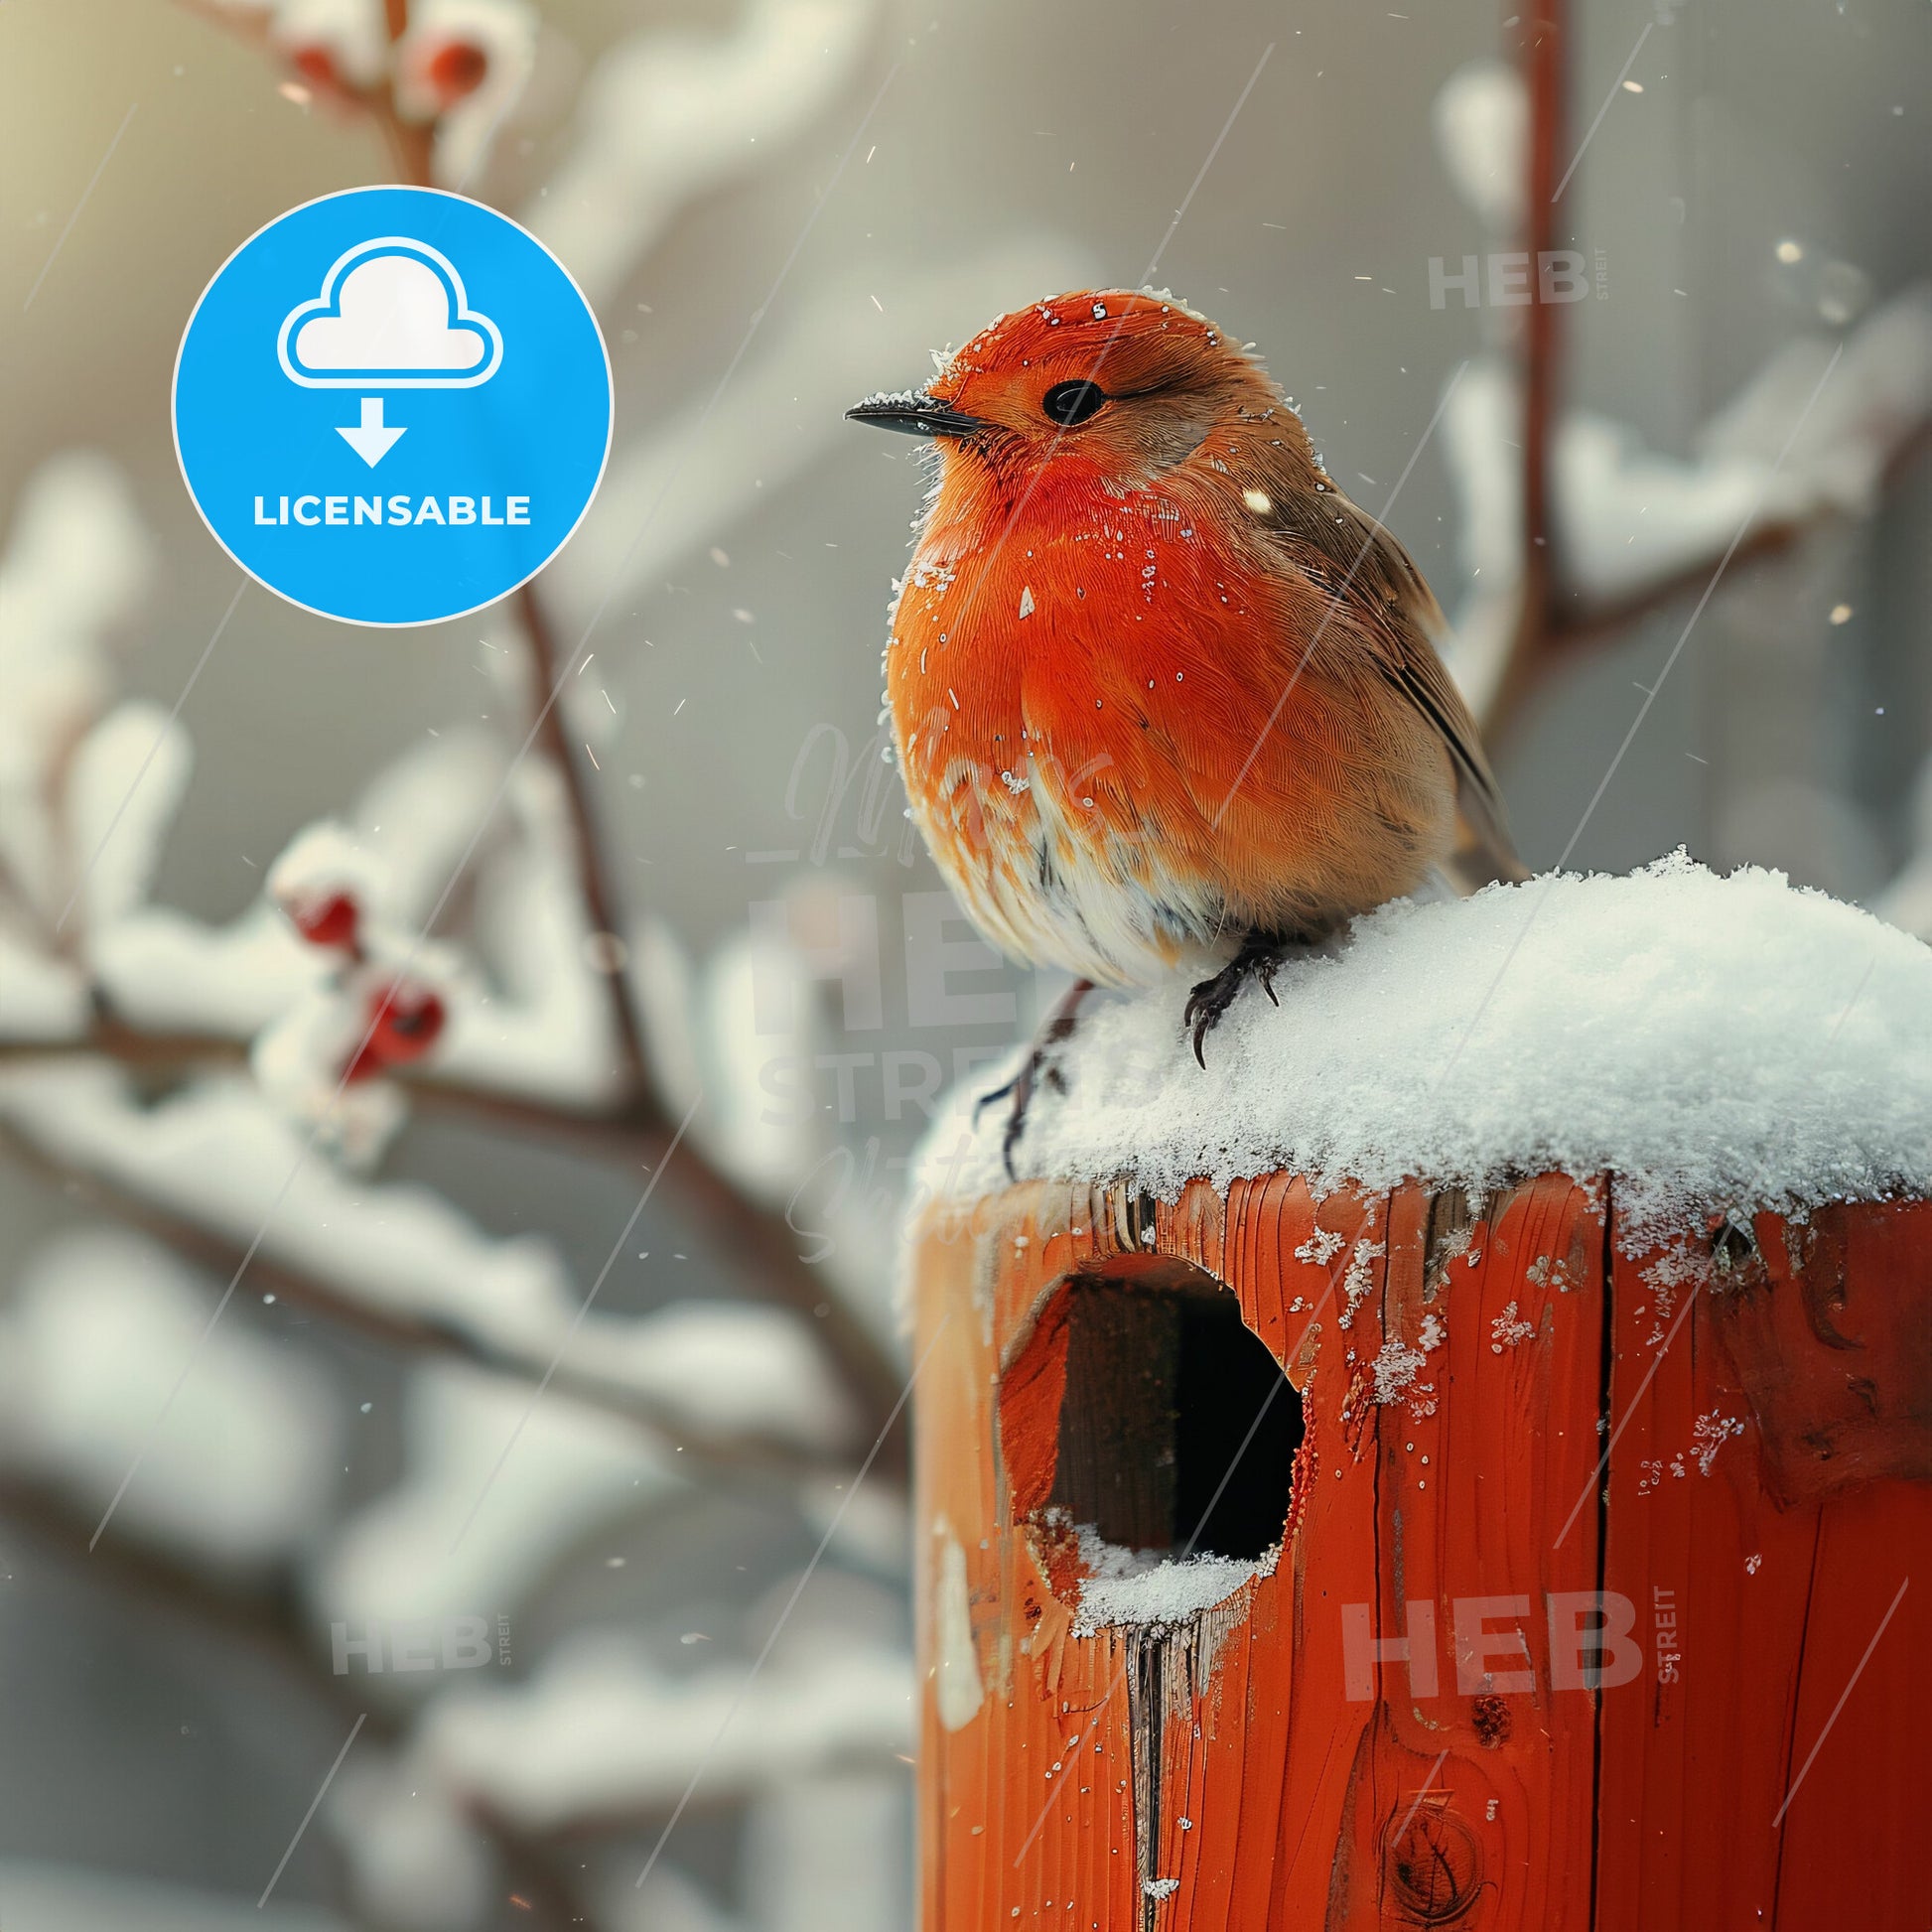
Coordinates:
(1484, 850)
(1396, 613)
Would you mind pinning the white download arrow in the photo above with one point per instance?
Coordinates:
(370, 439)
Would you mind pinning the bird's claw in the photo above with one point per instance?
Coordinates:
(1020, 1087)
(1207, 1003)
(1059, 1026)
(987, 1099)
(1256, 960)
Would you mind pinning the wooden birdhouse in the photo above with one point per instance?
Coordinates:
(1531, 1551)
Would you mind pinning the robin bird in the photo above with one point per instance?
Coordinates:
(1164, 699)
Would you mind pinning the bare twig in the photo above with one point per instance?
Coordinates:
(1573, 625)
(1553, 623)
(143, 1052)
(592, 884)
(746, 1231)
(1544, 53)
(1590, 624)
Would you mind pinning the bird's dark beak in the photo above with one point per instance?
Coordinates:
(913, 414)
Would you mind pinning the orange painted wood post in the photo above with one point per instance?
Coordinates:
(1563, 1588)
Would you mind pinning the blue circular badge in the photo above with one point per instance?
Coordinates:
(392, 406)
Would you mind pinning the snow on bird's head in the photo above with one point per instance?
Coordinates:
(1122, 381)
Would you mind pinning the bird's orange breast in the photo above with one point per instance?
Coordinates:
(1103, 731)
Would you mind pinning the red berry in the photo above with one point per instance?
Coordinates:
(316, 64)
(405, 1020)
(456, 69)
(325, 919)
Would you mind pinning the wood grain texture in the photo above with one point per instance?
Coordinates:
(1514, 1432)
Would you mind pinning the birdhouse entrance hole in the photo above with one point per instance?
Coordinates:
(1144, 1408)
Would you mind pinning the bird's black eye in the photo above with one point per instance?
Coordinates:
(1068, 403)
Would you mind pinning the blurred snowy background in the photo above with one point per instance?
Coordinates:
(631, 1603)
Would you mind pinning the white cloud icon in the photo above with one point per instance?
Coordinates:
(392, 314)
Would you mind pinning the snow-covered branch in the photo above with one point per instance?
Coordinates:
(738, 1385)
(600, 1737)
(335, 998)
(1573, 528)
